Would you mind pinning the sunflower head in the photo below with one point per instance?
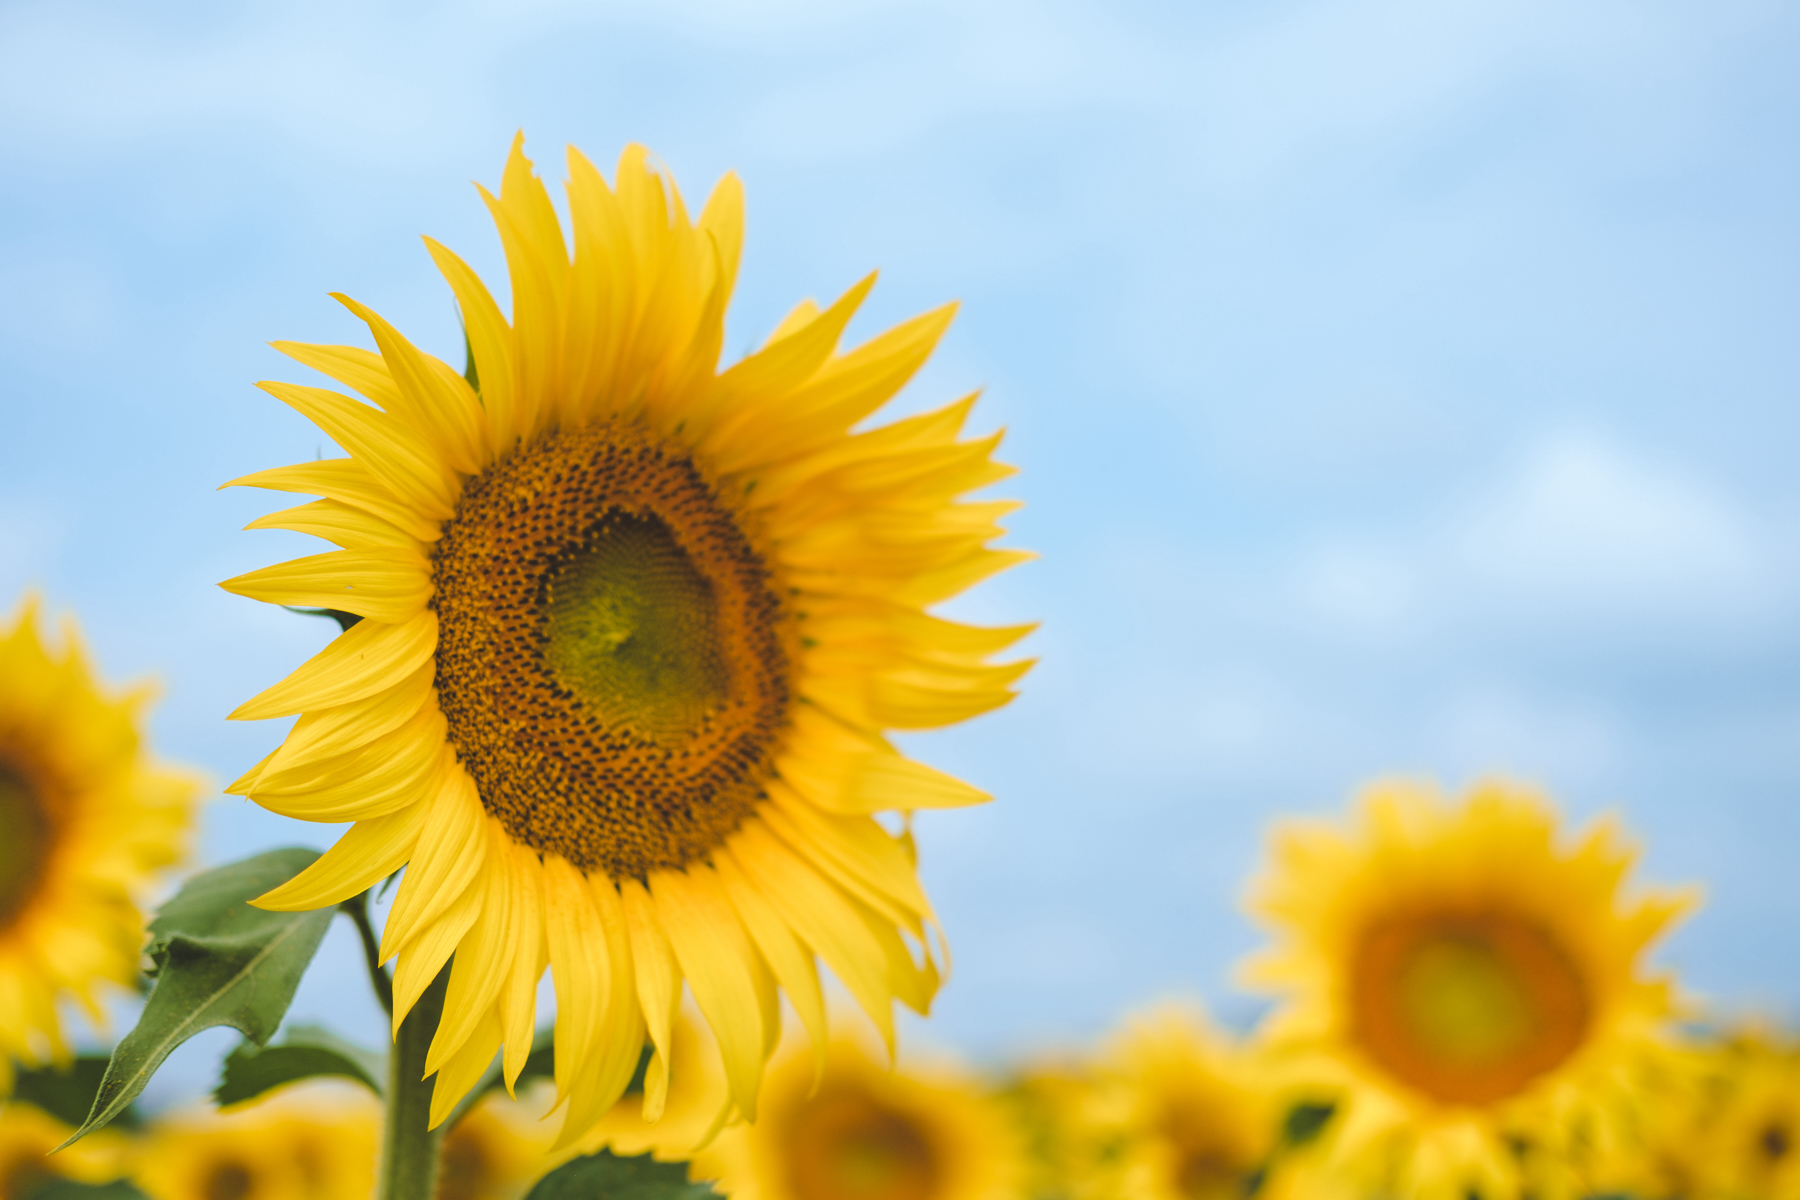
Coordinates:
(1470, 980)
(86, 819)
(860, 1130)
(315, 1141)
(1191, 1114)
(495, 1152)
(635, 626)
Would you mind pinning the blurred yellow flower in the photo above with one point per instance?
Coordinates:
(1191, 1115)
(863, 1131)
(633, 631)
(86, 817)
(314, 1142)
(698, 1103)
(27, 1137)
(1470, 985)
(496, 1152)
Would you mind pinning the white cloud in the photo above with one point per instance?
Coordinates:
(1584, 528)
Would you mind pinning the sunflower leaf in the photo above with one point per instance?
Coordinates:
(306, 1052)
(67, 1093)
(217, 961)
(605, 1176)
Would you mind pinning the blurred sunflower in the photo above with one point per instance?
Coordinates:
(1193, 1118)
(1474, 988)
(697, 1106)
(633, 629)
(1727, 1127)
(86, 817)
(496, 1152)
(316, 1142)
(27, 1137)
(855, 1129)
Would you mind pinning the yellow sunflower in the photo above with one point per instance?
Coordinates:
(1726, 1126)
(633, 630)
(316, 1142)
(86, 817)
(27, 1137)
(496, 1152)
(697, 1106)
(859, 1130)
(1191, 1116)
(1475, 988)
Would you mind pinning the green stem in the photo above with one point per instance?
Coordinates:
(409, 1151)
(357, 908)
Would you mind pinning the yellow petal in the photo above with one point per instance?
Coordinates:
(345, 524)
(449, 856)
(483, 957)
(786, 955)
(658, 986)
(716, 957)
(490, 342)
(347, 480)
(351, 366)
(324, 732)
(391, 449)
(368, 852)
(369, 657)
(823, 916)
(388, 585)
(429, 396)
(464, 1069)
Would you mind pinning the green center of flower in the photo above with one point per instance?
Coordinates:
(24, 842)
(1468, 1008)
(612, 654)
(633, 631)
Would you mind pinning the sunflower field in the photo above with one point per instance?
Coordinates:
(611, 745)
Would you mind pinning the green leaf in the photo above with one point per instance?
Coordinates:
(605, 1176)
(218, 961)
(305, 1052)
(68, 1093)
(1305, 1122)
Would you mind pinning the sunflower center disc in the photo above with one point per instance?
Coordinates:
(845, 1147)
(611, 654)
(24, 842)
(1468, 1009)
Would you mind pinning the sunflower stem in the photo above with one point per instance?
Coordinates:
(409, 1150)
(357, 909)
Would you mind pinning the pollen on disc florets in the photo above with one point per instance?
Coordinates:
(612, 656)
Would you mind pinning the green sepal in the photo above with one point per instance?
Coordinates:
(305, 1052)
(217, 961)
(344, 619)
(606, 1176)
(67, 1093)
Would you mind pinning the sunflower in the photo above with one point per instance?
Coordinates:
(633, 629)
(856, 1129)
(697, 1106)
(1474, 989)
(498, 1149)
(1727, 1127)
(28, 1135)
(85, 819)
(317, 1142)
(1189, 1115)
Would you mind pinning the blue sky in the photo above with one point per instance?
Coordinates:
(1398, 386)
